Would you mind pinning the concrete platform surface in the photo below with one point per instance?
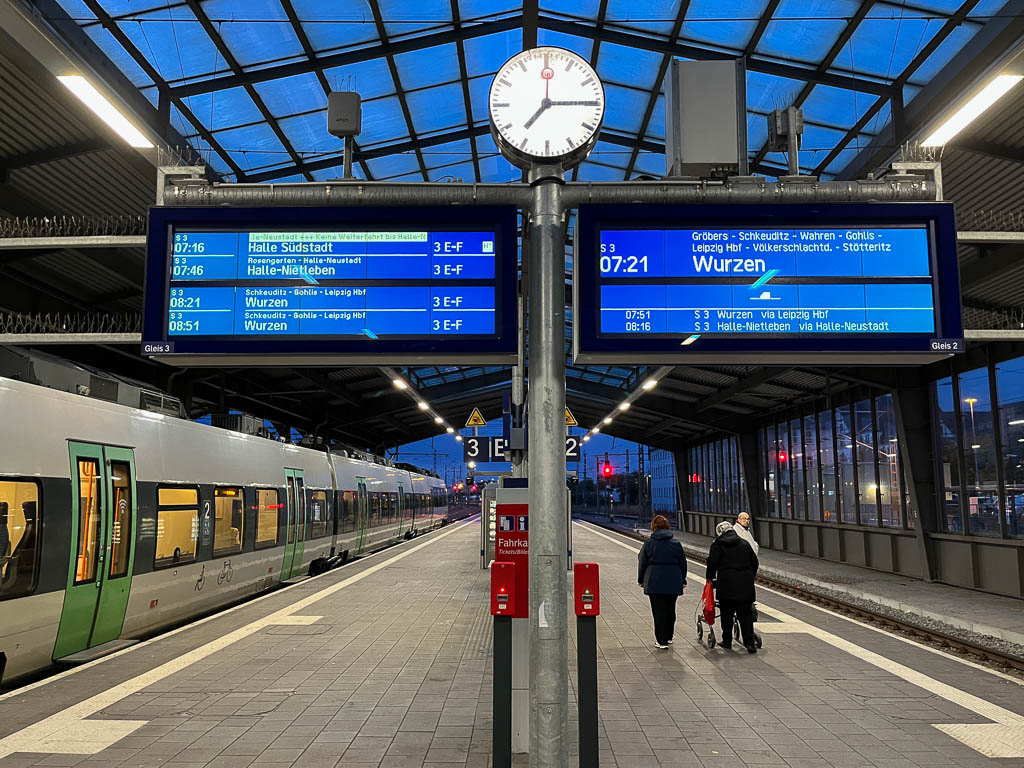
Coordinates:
(386, 662)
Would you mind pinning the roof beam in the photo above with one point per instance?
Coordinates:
(52, 154)
(460, 49)
(754, 63)
(756, 379)
(307, 48)
(980, 146)
(403, 102)
(333, 60)
(652, 102)
(595, 51)
(531, 12)
(826, 62)
(947, 29)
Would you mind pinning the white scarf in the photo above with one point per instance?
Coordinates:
(746, 535)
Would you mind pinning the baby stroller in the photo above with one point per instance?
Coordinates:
(706, 613)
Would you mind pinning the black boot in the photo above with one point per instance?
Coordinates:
(751, 648)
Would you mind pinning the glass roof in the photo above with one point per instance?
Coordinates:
(248, 78)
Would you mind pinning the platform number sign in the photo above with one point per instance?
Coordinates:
(482, 449)
(572, 448)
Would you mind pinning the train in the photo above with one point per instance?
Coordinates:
(117, 522)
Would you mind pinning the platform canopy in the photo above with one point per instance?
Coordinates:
(243, 84)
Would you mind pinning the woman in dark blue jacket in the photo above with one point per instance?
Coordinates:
(662, 574)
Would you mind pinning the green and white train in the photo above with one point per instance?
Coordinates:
(116, 522)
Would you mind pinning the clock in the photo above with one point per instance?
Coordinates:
(546, 106)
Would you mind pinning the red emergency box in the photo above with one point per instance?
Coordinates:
(587, 588)
(503, 589)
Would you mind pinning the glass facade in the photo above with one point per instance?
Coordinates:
(663, 482)
(716, 478)
(836, 465)
(978, 422)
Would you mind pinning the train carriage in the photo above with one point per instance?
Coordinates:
(116, 522)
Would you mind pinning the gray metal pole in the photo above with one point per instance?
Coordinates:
(549, 648)
(519, 465)
(793, 142)
(348, 157)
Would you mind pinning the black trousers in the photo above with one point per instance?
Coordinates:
(744, 613)
(663, 607)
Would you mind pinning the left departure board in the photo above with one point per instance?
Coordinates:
(365, 285)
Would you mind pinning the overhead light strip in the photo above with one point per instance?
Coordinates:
(107, 112)
(998, 87)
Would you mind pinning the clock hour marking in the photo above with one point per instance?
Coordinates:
(506, 127)
(588, 81)
(522, 64)
(547, 147)
(571, 145)
(570, 65)
(503, 81)
(498, 105)
(588, 127)
(522, 144)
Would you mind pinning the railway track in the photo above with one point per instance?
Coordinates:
(1003, 661)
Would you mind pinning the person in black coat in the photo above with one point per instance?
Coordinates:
(662, 574)
(732, 566)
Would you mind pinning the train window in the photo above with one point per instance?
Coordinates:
(267, 506)
(319, 515)
(177, 525)
(88, 520)
(349, 510)
(375, 509)
(19, 524)
(228, 524)
(121, 535)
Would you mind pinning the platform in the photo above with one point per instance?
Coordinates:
(386, 662)
(991, 620)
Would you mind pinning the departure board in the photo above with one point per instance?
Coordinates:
(739, 281)
(289, 284)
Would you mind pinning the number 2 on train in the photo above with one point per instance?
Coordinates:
(102, 534)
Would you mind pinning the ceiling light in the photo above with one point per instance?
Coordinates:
(422, 406)
(649, 384)
(624, 405)
(449, 430)
(400, 384)
(607, 419)
(458, 438)
(595, 430)
(964, 116)
(438, 420)
(1015, 422)
(106, 111)
(585, 438)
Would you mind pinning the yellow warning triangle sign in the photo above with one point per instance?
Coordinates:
(476, 419)
(570, 420)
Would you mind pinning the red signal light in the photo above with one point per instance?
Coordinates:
(606, 470)
(474, 489)
(782, 456)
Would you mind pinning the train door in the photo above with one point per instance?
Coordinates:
(296, 524)
(102, 539)
(402, 510)
(362, 513)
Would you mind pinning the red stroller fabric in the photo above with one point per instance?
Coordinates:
(708, 604)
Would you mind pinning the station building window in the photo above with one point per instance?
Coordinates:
(812, 467)
(829, 468)
(19, 534)
(981, 481)
(945, 421)
(177, 525)
(864, 449)
(845, 436)
(268, 504)
(890, 486)
(229, 506)
(1009, 378)
(797, 469)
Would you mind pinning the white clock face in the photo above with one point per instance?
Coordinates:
(546, 103)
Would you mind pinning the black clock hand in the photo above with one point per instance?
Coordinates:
(574, 103)
(543, 105)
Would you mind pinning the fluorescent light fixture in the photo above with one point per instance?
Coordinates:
(688, 341)
(449, 430)
(649, 384)
(624, 405)
(587, 437)
(964, 116)
(422, 406)
(471, 465)
(438, 420)
(1015, 422)
(607, 419)
(458, 438)
(595, 430)
(106, 111)
(975, 446)
(400, 383)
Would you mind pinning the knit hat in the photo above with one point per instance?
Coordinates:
(722, 527)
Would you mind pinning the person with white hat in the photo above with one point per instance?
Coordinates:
(732, 566)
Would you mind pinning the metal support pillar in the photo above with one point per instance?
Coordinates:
(912, 405)
(501, 731)
(549, 648)
(348, 152)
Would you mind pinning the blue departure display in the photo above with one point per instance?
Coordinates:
(332, 283)
(764, 282)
